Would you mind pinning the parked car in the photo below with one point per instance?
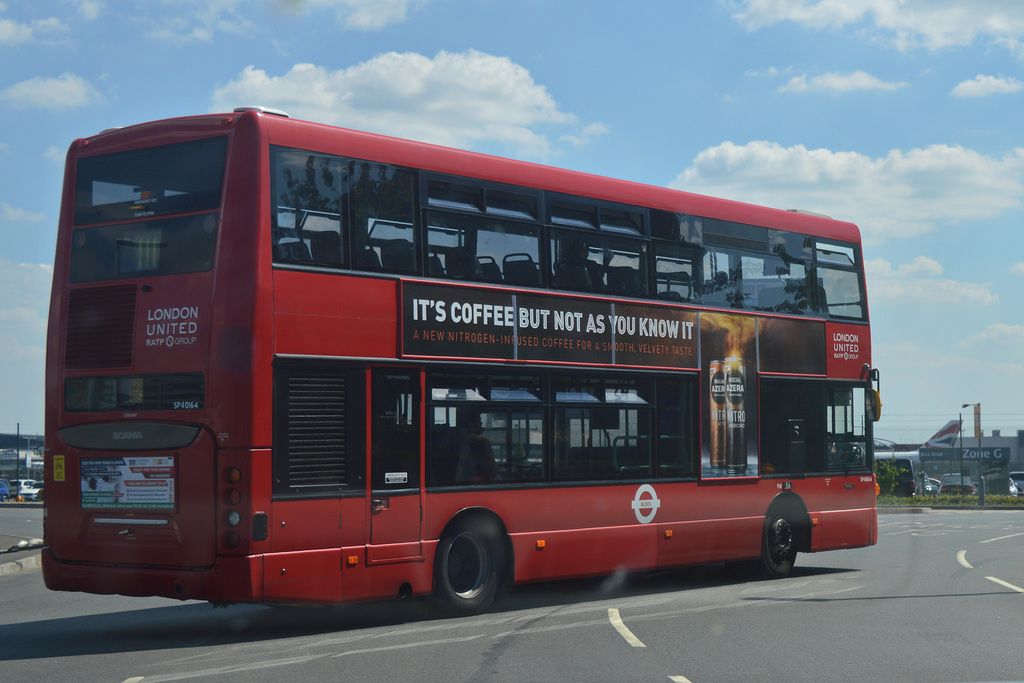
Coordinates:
(5, 490)
(1014, 489)
(957, 484)
(1018, 479)
(20, 484)
(33, 490)
(906, 479)
(19, 487)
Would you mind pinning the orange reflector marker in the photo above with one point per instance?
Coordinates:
(668, 533)
(541, 544)
(353, 560)
(814, 521)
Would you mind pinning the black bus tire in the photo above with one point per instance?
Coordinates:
(467, 568)
(778, 547)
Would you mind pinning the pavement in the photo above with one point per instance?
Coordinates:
(18, 553)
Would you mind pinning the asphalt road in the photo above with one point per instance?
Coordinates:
(940, 598)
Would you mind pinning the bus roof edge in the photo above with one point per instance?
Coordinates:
(263, 110)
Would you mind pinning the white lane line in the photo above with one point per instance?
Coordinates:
(406, 646)
(1007, 585)
(679, 679)
(961, 557)
(1003, 538)
(613, 616)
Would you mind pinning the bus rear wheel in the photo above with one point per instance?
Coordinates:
(467, 568)
(778, 547)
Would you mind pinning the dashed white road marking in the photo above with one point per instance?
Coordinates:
(1007, 585)
(613, 616)
(1003, 538)
(961, 557)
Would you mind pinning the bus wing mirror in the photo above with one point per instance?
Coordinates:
(874, 405)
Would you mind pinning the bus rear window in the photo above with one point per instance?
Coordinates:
(135, 392)
(129, 250)
(157, 181)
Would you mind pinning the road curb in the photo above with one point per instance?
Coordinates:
(30, 562)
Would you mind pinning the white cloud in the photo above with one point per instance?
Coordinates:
(918, 283)
(24, 303)
(1011, 336)
(90, 9)
(934, 24)
(902, 194)
(768, 72)
(10, 214)
(586, 135)
(358, 14)
(460, 100)
(199, 21)
(909, 396)
(67, 91)
(982, 86)
(920, 266)
(1017, 268)
(15, 33)
(838, 83)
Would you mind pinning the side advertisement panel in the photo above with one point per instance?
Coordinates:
(462, 322)
(735, 350)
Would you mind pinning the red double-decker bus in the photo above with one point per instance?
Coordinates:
(293, 363)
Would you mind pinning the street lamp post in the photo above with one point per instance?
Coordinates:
(977, 433)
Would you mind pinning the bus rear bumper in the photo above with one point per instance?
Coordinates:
(231, 579)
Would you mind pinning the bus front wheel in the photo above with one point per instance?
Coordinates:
(778, 547)
(467, 568)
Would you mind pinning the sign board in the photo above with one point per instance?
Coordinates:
(966, 453)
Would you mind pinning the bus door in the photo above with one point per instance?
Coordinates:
(395, 447)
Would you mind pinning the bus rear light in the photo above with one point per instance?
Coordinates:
(232, 540)
(232, 496)
(233, 518)
(233, 475)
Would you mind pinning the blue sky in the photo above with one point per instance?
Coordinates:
(903, 116)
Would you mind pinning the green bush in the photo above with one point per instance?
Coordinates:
(938, 501)
(885, 476)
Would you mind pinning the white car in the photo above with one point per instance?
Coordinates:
(1018, 479)
(33, 492)
(27, 488)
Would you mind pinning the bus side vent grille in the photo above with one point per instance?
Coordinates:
(101, 327)
(316, 430)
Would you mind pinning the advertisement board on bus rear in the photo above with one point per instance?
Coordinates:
(128, 482)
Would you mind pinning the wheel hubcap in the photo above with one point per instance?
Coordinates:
(467, 565)
(780, 541)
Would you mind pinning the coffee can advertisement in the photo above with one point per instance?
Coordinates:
(729, 343)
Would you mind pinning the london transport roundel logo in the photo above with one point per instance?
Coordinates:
(645, 507)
